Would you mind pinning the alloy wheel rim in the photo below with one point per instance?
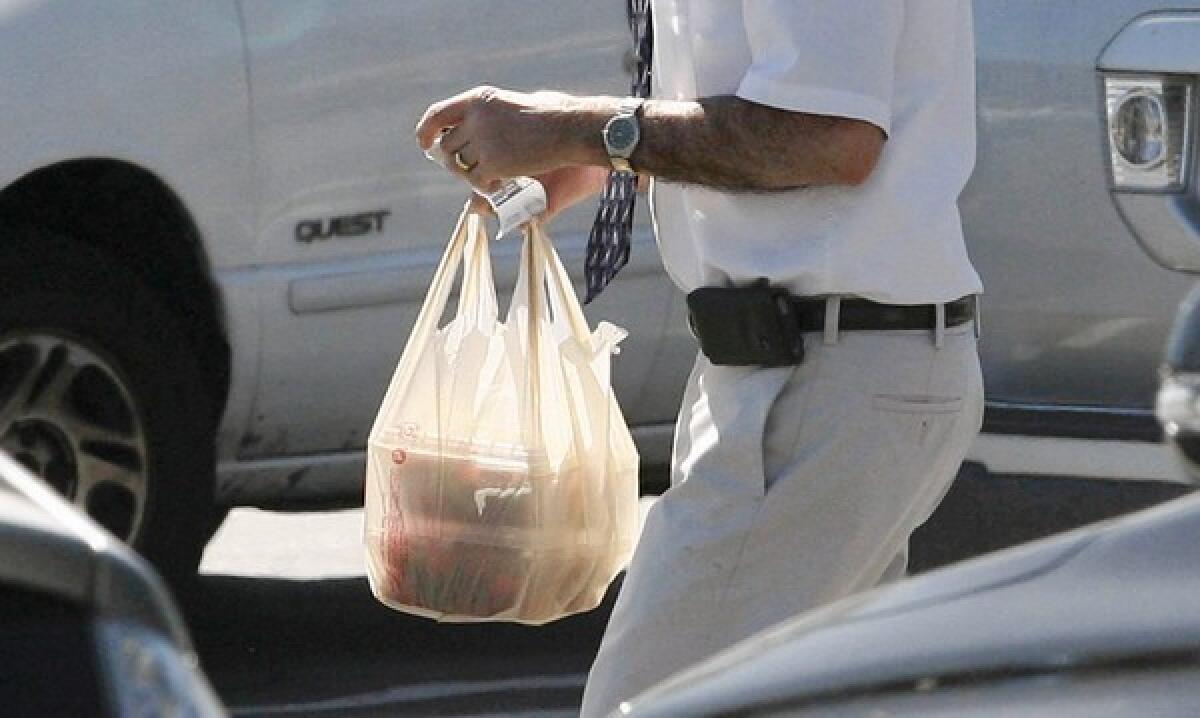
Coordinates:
(68, 415)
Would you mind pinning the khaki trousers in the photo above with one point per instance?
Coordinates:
(790, 488)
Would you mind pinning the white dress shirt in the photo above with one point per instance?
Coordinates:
(906, 66)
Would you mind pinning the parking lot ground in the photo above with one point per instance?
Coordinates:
(984, 513)
(286, 625)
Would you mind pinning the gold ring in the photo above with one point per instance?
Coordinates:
(461, 163)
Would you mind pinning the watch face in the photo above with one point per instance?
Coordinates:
(622, 133)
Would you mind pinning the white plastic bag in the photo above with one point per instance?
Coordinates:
(501, 477)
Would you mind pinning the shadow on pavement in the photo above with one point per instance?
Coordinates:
(267, 641)
(987, 512)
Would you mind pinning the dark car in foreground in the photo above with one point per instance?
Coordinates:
(86, 627)
(1103, 621)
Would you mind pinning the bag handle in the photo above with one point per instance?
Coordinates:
(544, 286)
(477, 298)
(528, 294)
(431, 310)
(443, 282)
(561, 292)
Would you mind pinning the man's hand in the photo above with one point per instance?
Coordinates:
(499, 134)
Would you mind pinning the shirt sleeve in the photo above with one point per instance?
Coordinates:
(823, 57)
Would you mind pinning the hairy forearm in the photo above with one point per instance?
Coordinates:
(729, 143)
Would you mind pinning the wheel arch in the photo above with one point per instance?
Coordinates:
(133, 216)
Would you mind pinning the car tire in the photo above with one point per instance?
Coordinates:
(102, 394)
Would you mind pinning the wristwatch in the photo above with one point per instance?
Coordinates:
(622, 133)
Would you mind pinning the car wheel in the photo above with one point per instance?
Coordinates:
(101, 394)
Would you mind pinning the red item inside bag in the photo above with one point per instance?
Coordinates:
(465, 535)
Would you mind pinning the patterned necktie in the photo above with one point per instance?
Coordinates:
(608, 244)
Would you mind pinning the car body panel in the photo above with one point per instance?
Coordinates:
(37, 551)
(1103, 594)
(158, 85)
(1148, 688)
(1074, 312)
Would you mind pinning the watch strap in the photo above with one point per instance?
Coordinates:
(621, 164)
(630, 105)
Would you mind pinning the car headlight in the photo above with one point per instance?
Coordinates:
(147, 675)
(1149, 131)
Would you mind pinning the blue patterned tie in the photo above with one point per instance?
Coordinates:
(608, 244)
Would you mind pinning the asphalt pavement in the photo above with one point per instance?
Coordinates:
(286, 625)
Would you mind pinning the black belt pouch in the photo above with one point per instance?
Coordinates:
(746, 326)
